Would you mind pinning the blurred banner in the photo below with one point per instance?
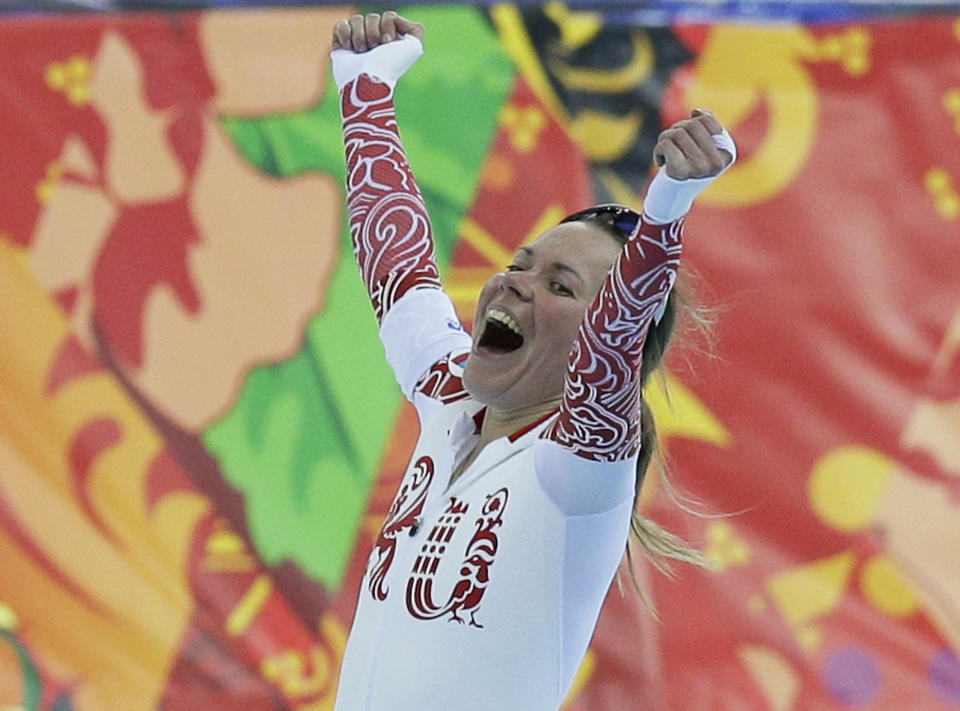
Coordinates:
(652, 12)
(199, 437)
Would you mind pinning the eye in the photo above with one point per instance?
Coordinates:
(513, 268)
(560, 288)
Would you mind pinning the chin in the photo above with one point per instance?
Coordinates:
(490, 388)
(474, 384)
(487, 388)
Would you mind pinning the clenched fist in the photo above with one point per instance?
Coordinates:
(361, 33)
(688, 150)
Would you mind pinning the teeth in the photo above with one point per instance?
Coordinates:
(505, 319)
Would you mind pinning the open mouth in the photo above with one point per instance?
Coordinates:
(501, 334)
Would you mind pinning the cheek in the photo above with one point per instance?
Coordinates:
(562, 327)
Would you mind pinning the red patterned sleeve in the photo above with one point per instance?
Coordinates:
(600, 415)
(389, 225)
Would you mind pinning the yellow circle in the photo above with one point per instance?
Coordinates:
(951, 100)
(846, 485)
(885, 588)
(949, 206)
(56, 76)
(936, 180)
(857, 65)
(78, 67)
(78, 93)
(8, 618)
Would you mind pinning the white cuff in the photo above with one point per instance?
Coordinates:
(669, 199)
(387, 62)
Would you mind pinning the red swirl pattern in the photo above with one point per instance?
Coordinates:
(403, 513)
(444, 380)
(600, 415)
(389, 225)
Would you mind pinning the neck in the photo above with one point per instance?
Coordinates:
(498, 422)
(504, 422)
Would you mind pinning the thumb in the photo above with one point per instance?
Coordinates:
(406, 27)
(658, 158)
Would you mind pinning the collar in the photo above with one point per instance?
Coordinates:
(463, 435)
(468, 425)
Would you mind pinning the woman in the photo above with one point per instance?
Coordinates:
(484, 586)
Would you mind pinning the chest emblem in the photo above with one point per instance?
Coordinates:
(467, 592)
(403, 513)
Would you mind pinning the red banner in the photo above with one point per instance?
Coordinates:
(198, 438)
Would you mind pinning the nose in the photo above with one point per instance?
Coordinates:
(519, 283)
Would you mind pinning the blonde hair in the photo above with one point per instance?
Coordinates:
(662, 547)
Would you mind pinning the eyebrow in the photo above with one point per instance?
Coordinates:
(558, 266)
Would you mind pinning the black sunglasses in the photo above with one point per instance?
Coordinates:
(620, 217)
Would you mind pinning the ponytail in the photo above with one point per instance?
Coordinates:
(660, 545)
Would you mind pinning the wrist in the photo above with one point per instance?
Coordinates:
(387, 62)
(668, 199)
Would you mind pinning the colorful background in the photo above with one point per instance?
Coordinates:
(199, 436)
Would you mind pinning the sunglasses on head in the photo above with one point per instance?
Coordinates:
(621, 217)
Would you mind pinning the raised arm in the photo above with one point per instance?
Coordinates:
(389, 225)
(600, 415)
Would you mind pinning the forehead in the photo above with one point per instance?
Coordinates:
(581, 245)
